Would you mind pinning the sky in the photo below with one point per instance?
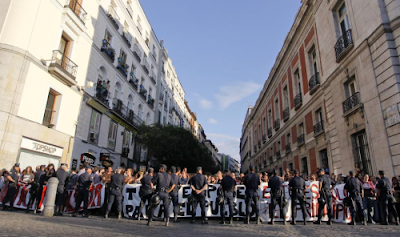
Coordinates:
(222, 51)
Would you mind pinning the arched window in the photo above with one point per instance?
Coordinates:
(129, 105)
(140, 111)
(148, 120)
(117, 90)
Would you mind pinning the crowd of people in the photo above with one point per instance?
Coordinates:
(371, 198)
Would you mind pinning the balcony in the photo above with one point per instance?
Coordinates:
(343, 45)
(298, 101)
(102, 95)
(118, 107)
(78, 10)
(318, 128)
(146, 66)
(288, 148)
(264, 138)
(314, 83)
(152, 77)
(143, 92)
(300, 140)
(133, 119)
(269, 132)
(127, 38)
(137, 53)
(278, 154)
(63, 68)
(122, 67)
(107, 49)
(150, 101)
(112, 15)
(351, 104)
(255, 148)
(286, 114)
(133, 81)
(259, 144)
(277, 124)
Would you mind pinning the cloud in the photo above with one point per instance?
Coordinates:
(205, 104)
(230, 94)
(213, 121)
(226, 144)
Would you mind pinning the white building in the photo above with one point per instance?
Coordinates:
(44, 53)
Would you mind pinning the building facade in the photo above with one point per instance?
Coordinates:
(43, 59)
(332, 97)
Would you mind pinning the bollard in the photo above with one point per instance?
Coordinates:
(51, 193)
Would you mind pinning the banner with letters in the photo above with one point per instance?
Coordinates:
(96, 197)
(131, 202)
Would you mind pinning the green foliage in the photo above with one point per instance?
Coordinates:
(174, 146)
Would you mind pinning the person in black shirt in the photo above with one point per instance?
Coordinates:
(199, 184)
(297, 190)
(146, 191)
(275, 184)
(12, 182)
(325, 192)
(251, 181)
(34, 190)
(162, 181)
(228, 186)
(353, 189)
(386, 199)
(117, 184)
(173, 192)
(63, 178)
(85, 182)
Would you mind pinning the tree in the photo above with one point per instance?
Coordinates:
(174, 146)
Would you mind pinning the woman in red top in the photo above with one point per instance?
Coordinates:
(369, 199)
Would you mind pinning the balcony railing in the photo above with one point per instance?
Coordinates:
(146, 66)
(133, 81)
(286, 114)
(63, 68)
(314, 83)
(48, 116)
(127, 38)
(259, 144)
(298, 101)
(133, 119)
(78, 10)
(122, 67)
(112, 14)
(288, 148)
(351, 103)
(278, 154)
(119, 107)
(319, 128)
(269, 132)
(300, 140)
(143, 92)
(255, 148)
(277, 124)
(137, 53)
(107, 49)
(150, 101)
(152, 76)
(264, 138)
(343, 45)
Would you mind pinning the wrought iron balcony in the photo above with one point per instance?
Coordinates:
(137, 53)
(107, 49)
(314, 83)
(146, 66)
(113, 16)
(150, 101)
(78, 10)
(122, 67)
(277, 124)
(127, 38)
(319, 128)
(269, 132)
(264, 138)
(119, 107)
(288, 148)
(298, 101)
(133, 81)
(343, 45)
(300, 140)
(350, 103)
(286, 114)
(278, 154)
(259, 144)
(133, 119)
(63, 68)
(255, 148)
(143, 92)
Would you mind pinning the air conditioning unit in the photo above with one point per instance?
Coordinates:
(93, 136)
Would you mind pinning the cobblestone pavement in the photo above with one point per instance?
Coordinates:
(22, 224)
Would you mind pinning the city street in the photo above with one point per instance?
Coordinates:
(21, 224)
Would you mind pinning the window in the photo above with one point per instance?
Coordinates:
(65, 46)
(264, 126)
(127, 138)
(323, 156)
(138, 25)
(108, 36)
(290, 166)
(318, 116)
(112, 135)
(304, 165)
(350, 88)
(278, 148)
(277, 113)
(94, 128)
(313, 61)
(122, 57)
(285, 97)
(301, 129)
(49, 111)
(270, 118)
(343, 19)
(259, 132)
(362, 158)
(288, 138)
(297, 82)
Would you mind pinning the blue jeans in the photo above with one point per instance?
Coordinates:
(369, 206)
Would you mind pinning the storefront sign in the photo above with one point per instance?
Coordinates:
(106, 159)
(33, 145)
(87, 157)
(74, 164)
